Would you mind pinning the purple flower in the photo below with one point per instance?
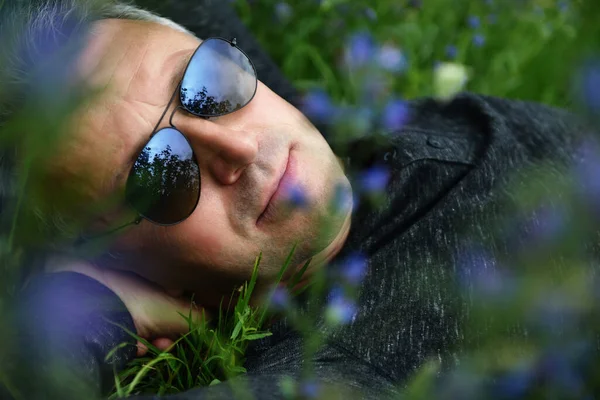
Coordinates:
(295, 195)
(359, 50)
(395, 115)
(451, 51)
(354, 268)
(479, 272)
(546, 223)
(563, 6)
(371, 14)
(590, 84)
(340, 310)
(317, 106)
(558, 370)
(280, 298)
(515, 383)
(587, 171)
(283, 11)
(310, 389)
(478, 40)
(392, 59)
(474, 21)
(342, 198)
(374, 179)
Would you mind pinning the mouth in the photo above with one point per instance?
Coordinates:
(269, 212)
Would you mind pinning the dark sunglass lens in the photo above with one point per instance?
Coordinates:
(219, 79)
(164, 184)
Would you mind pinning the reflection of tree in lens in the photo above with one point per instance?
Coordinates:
(203, 104)
(165, 188)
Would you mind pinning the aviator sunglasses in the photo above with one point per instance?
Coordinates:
(163, 185)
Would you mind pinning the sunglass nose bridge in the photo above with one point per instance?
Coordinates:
(233, 42)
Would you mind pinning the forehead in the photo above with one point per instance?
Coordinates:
(135, 65)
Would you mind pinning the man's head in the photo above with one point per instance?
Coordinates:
(241, 157)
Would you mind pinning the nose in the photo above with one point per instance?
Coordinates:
(223, 151)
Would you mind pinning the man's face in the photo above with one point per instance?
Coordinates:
(241, 158)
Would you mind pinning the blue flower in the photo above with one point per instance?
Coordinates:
(371, 14)
(342, 197)
(280, 298)
(587, 171)
(451, 51)
(590, 85)
(392, 59)
(515, 383)
(546, 223)
(295, 195)
(395, 115)
(317, 106)
(474, 21)
(340, 309)
(310, 389)
(374, 179)
(359, 50)
(354, 268)
(480, 273)
(283, 11)
(563, 6)
(478, 40)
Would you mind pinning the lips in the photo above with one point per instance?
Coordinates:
(269, 210)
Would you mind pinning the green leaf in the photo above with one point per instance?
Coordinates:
(257, 336)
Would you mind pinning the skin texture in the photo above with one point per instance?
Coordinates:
(241, 157)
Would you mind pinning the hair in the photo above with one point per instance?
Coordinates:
(21, 22)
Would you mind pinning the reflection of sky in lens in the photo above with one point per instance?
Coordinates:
(223, 70)
(172, 138)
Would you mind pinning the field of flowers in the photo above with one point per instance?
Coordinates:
(358, 61)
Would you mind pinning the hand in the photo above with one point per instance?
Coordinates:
(154, 310)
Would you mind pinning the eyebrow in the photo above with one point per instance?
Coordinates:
(174, 81)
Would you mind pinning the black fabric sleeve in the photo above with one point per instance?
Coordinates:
(68, 323)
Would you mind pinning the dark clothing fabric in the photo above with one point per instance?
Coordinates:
(451, 167)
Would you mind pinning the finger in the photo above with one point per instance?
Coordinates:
(173, 323)
(141, 349)
(163, 344)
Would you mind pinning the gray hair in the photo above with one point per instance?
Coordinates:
(19, 22)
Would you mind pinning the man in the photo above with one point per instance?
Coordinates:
(449, 166)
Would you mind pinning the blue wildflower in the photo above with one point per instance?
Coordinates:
(479, 40)
(280, 298)
(451, 51)
(340, 309)
(283, 11)
(296, 196)
(560, 372)
(374, 179)
(359, 50)
(590, 85)
(342, 197)
(479, 271)
(310, 389)
(395, 115)
(546, 223)
(317, 106)
(474, 21)
(354, 268)
(515, 383)
(415, 3)
(563, 6)
(371, 14)
(587, 171)
(392, 59)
